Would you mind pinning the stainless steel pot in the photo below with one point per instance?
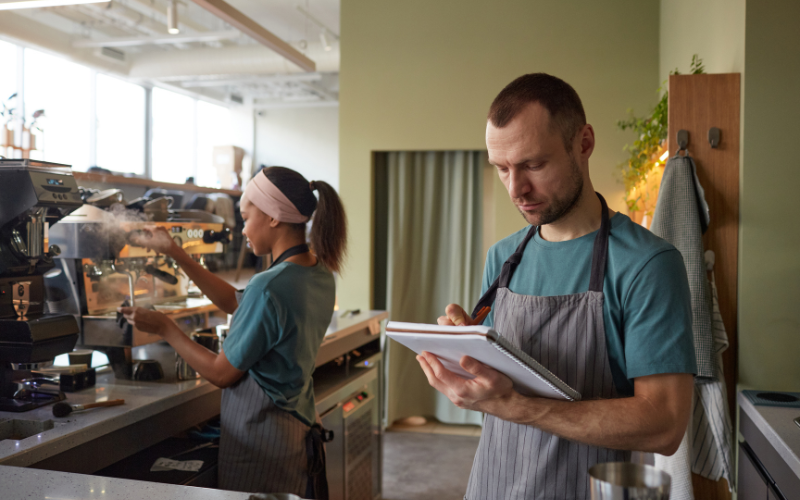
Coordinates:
(628, 481)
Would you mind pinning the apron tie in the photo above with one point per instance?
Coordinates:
(317, 487)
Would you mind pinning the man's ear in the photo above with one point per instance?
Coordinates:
(586, 141)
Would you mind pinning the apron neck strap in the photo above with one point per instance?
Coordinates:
(599, 258)
(502, 281)
(600, 250)
(291, 252)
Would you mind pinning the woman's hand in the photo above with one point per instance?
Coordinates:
(147, 320)
(155, 238)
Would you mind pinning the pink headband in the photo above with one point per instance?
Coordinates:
(269, 199)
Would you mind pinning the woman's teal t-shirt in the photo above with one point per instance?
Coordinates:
(277, 330)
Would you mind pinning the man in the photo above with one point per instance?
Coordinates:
(597, 299)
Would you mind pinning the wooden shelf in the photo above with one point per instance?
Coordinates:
(149, 183)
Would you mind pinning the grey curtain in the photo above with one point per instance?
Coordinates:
(434, 257)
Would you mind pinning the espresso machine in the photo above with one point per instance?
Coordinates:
(102, 270)
(33, 196)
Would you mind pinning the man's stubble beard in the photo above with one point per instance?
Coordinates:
(561, 206)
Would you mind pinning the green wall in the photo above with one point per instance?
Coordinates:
(769, 271)
(713, 29)
(420, 75)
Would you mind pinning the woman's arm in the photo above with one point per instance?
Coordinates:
(211, 366)
(219, 291)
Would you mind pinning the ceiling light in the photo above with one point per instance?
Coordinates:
(38, 4)
(324, 39)
(172, 18)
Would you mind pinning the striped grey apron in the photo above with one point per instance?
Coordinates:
(262, 447)
(566, 334)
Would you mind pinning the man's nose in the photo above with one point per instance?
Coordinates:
(518, 184)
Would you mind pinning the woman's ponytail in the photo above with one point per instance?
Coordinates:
(329, 228)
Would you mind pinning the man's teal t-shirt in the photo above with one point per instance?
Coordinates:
(276, 332)
(647, 305)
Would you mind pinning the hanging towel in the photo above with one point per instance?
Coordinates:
(679, 219)
(679, 468)
(712, 447)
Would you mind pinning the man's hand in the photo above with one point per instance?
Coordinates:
(147, 320)
(489, 386)
(155, 238)
(456, 316)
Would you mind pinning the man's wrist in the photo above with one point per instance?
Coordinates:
(514, 407)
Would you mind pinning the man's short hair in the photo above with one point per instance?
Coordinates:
(556, 95)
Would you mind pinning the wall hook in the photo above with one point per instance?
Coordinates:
(714, 136)
(683, 140)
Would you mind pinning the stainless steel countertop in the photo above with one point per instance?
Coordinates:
(777, 425)
(19, 482)
(142, 400)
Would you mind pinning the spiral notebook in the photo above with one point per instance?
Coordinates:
(450, 343)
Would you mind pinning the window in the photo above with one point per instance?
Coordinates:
(64, 91)
(8, 86)
(8, 77)
(213, 129)
(120, 125)
(173, 136)
(95, 119)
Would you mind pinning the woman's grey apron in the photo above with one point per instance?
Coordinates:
(567, 335)
(264, 448)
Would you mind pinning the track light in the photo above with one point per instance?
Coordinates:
(172, 18)
(324, 39)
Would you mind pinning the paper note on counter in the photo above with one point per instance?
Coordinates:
(164, 464)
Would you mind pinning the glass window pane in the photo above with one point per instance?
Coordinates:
(173, 136)
(63, 90)
(213, 129)
(120, 125)
(8, 78)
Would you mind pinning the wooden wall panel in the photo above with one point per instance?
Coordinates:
(697, 103)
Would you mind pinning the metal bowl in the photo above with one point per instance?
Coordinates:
(628, 481)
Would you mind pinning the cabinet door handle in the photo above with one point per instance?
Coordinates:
(762, 471)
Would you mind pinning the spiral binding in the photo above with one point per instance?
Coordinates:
(545, 375)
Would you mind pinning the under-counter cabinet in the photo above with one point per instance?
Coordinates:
(769, 452)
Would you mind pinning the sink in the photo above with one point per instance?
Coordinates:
(18, 429)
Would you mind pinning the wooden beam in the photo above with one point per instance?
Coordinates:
(238, 20)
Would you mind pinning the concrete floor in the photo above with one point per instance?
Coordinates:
(422, 466)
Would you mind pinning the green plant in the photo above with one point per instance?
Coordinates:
(651, 130)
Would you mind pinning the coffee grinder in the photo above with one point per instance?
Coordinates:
(33, 195)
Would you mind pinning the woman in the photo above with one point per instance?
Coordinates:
(268, 415)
